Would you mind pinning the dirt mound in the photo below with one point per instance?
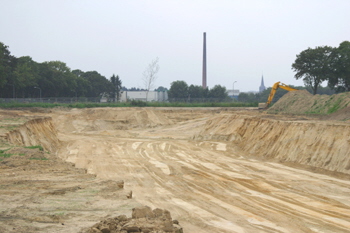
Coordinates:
(132, 117)
(302, 102)
(143, 219)
(83, 120)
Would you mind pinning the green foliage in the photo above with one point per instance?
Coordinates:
(325, 64)
(314, 66)
(178, 90)
(138, 103)
(35, 147)
(334, 107)
(161, 88)
(218, 92)
(340, 78)
(181, 92)
(20, 76)
(116, 88)
(7, 63)
(5, 155)
(197, 92)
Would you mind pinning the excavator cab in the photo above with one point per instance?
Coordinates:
(273, 92)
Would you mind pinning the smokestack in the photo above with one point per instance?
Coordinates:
(204, 71)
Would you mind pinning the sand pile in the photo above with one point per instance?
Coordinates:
(99, 119)
(302, 102)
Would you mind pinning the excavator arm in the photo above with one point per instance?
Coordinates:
(274, 89)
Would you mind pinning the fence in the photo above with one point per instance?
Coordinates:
(101, 100)
(201, 100)
(52, 100)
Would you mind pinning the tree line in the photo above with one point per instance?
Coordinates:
(25, 78)
(180, 92)
(324, 63)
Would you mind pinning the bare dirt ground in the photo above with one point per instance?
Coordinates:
(209, 184)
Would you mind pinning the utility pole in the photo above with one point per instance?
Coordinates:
(233, 89)
(40, 92)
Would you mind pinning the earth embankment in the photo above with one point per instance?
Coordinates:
(318, 144)
(302, 102)
(40, 131)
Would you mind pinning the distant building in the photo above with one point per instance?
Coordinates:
(233, 93)
(152, 96)
(262, 86)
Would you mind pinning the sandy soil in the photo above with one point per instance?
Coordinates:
(207, 185)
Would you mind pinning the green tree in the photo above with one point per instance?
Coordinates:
(340, 80)
(314, 66)
(57, 80)
(83, 84)
(7, 64)
(248, 97)
(218, 92)
(98, 84)
(25, 76)
(178, 91)
(116, 88)
(161, 88)
(197, 92)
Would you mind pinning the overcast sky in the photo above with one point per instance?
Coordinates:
(245, 38)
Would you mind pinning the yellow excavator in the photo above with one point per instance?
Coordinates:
(273, 92)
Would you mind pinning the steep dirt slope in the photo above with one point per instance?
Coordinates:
(35, 132)
(318, 144)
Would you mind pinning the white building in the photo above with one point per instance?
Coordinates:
(233, 93)
(152, 96)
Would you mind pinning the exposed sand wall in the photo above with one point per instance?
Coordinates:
(323, 145)
(36, 132)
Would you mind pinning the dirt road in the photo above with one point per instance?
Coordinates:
(208, 185)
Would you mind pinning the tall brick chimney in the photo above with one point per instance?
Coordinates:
(204, 71)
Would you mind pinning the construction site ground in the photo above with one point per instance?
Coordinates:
(215, 169)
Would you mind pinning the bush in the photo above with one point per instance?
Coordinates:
(138, 103)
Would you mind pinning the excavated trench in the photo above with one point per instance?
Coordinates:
(215, 170)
